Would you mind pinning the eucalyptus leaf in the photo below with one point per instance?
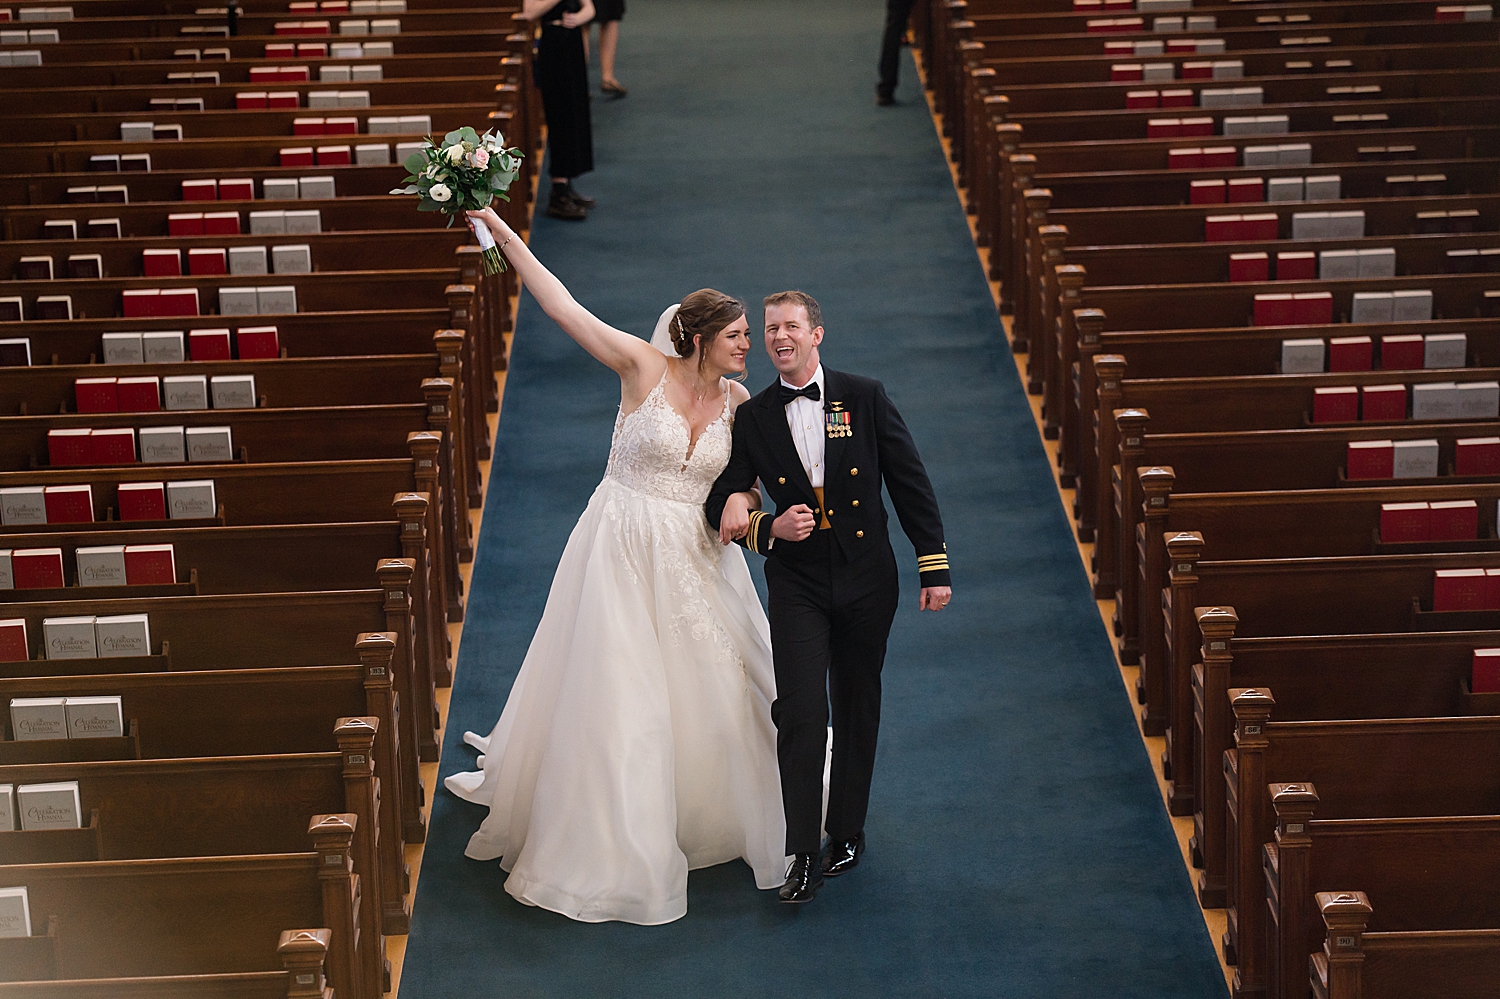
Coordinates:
(428, 205)
(454, 136)
(416, 163)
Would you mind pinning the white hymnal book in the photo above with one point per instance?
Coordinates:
(101, 566)
(1416, 459)
(22, 505)
(184, 392)
(1338, 265)
(278, 189)
(49, 806)
(1478, 400)
(1302, 356)
(303, 222)
(1372, 307)
(1378, 262)
(69, 637)
(162, 348)
(15, 913)
(332, 74)
(1445, 350)
(367, 72)
(191, 500)
(292, 258)
(162, 444)
(313, 188)
(209, 444)
(277, 299)
(237, 302)
(7, 570)
(123, 635)
(122, 348)
(233, 391)
(33, 718)
(1327, 187)
(250, 259)
(95, 717)
(1411, 305)
(1434, 401)
(7, 811)
(372, 154)
(264, 223)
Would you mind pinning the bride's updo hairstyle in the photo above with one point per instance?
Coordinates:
(704, 313)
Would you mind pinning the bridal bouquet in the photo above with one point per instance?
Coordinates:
(464, 172)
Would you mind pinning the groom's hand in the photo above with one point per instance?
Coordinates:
(794, 524)
(935, 598)
(734, 522)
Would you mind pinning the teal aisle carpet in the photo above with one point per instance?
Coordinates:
(1018, 846)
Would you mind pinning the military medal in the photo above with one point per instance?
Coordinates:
(836, 421)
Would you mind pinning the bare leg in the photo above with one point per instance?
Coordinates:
(609, 38)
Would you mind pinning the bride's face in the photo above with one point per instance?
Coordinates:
(726, 354)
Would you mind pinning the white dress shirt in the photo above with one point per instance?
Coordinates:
(805, 420)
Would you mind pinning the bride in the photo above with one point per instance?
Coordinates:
(637, 741)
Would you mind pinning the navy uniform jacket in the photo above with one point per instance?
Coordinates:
(866, 443)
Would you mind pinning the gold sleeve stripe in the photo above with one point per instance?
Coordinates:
(752, 540)
(931, 563)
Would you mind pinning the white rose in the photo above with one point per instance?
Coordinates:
(431, 171)
(439, 193)
(454, 153)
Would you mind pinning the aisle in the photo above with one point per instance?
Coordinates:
(1018, 846)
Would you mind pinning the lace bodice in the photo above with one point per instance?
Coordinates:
(649, 451)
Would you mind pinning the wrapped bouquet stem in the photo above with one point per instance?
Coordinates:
(464, 172)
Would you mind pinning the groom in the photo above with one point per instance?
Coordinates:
(822, 442)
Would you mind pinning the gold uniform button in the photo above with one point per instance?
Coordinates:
(855, 503)
(781, 481)
(859, 534)
(853, 471)
(829, 513)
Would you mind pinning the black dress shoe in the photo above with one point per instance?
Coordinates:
(884, 99)
(582, 200)
(842, 856)
(803, 879)
(560, 206)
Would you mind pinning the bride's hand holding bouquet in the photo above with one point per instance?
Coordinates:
(464, 173)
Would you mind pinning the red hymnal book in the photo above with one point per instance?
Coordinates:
(308, 126)
(185, 224)
(1249, 267)
(1206, 192)
(96, 395)
(13, 641)
(1350, 353)
(114, 446)
(1296, 266)
(140, 302)
(1477, 456)
(1492, 589)
(1311, 307)
(237, 190)
(257, 342)
(1371, 460)
(208, 345)
(1265, 225)
(178, 302)
(280, 50)
(1404, 522)
(1484, 677)
(1382, 402)
(161, 263)
(296, 157)
(1246, 189)
(37, 568)
(339, 126)
(68, 447)
(334, 156)
(200, 190)
(149, 565)
(1273, 310)
(1458, 589)
(1143, 99)
(294, 74)
(142, 501)
(221, 223)
(1454, 520)
(250, 99)
(1400, 353)
(69, 504)
(1336, 404)
(1222, 228)
(1184, 159)
(1176, 98)
(139, 395)
(1125, 72)
(207, 260)
(1163, 128)
(1216, 157)
(1196, 126)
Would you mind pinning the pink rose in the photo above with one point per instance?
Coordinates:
(480, 158)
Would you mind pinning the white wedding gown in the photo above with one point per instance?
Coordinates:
(637, 741)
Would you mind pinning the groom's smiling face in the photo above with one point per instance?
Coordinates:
(792, 341)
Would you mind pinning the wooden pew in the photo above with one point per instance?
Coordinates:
(302, 954)
(1415, 964)
(98, 906)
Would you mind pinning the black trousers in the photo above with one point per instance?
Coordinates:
(896, 14)
(829, 624)
(562, 74)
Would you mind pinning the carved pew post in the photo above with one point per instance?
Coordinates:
(962, 53)
(1001, 224)
(1034, 202)
(356, 739)
(439, 395)
(414, 690)
(430, 621)
(333, 837)
(1244, 812)
(971, 162)
(1287, 889)
(1015, 184)
(1130, 431)
(1109, 369)
(1156, 487)
(425, 447)
(1062, 417)
(454, 362)
(1183, 551)
(471, 275)
(1088, 324)
(994, 108)
(1211, 719)
(1345, 914)
(302, 955)
(1050, 240)
(376, 650)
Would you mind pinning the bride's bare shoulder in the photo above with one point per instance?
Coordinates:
(737, 394)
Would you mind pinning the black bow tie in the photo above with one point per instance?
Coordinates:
(787, 394)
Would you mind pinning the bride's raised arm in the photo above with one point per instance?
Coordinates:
(632, 358)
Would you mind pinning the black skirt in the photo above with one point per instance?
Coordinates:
(608, 10)
(562, 73)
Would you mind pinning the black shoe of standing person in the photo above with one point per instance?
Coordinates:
(803, 879)
(582, 200)
(560, 206)
(842, 856)
(884, 98)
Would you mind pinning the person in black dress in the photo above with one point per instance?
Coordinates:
(562, 74)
